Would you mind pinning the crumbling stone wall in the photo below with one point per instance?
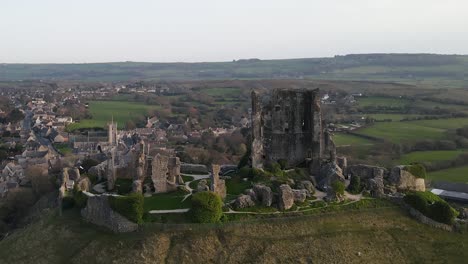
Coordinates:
(110, 171)
(405, 181)
(99, 212)
(366, 172)
(160, 175)
(173, 167)
(287, 125)
(217, 185)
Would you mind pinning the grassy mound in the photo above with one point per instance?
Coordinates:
(381, 235)
(431, 206)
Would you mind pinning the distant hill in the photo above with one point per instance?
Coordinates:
(435, 69)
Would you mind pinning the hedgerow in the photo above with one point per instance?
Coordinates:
(130, 206)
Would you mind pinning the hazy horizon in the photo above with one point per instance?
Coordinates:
(222, 61)
(54, 31)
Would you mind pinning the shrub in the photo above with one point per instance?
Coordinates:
(244, 172)
(130, 206)
(123, 186)
(274, 168)
(68, 202)
(80, 199)
(207, 207)
(431, 206)
(418, 170)
(88, 163)
(338, 187)
(42, 183)
(418, 202)
(244, 161)
(355, 185)
(442, 212)
(283, 163)
(260, 175)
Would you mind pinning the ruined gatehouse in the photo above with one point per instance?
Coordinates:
(287, 125)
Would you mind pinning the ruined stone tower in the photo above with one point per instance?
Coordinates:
(287, 125)
(112, 132)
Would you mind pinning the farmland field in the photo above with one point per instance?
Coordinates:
(398, 132)
(347, 140)
(382, 101)
(458, 174)
(120, 111)
(229, 92)
(429, 156)
(393, 117)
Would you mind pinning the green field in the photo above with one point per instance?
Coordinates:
(393, 117)
(375, 101)
(223, 92)
(382, 101)
(398, 132)
(429, 156)
(382, 235)
(104, 111)
(459, 174)
(350, 140)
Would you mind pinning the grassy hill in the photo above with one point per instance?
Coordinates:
(384, 235)
(427, 69)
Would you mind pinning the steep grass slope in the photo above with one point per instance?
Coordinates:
(383, 235)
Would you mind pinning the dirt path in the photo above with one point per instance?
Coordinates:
(195, 177)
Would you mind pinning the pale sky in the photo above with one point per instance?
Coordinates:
(66, 31)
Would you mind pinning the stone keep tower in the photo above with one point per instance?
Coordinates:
(287, 125)
(112, 132)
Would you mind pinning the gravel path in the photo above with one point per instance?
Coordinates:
(173, 211)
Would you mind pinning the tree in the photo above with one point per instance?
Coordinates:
(15, 115)
(130, 125)
(207, 207)
(338, 187)
(88, 163)
(355, 185)
(40, 180)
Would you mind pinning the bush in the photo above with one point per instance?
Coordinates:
(88, 163)
(431, 206)
(258, 175)
(355, 185)
(207, 207)
(338, 187)
(274, 168)
(244, 172)
(80, 199)
(442, 212)
(244, 161)
(418, 202)
(130, 206)
(41, 182)
(123, 186)
(68, 202)
(418, 170)
(283, 163)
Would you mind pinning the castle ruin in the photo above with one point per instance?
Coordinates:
(287, 126)
(166, 173)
